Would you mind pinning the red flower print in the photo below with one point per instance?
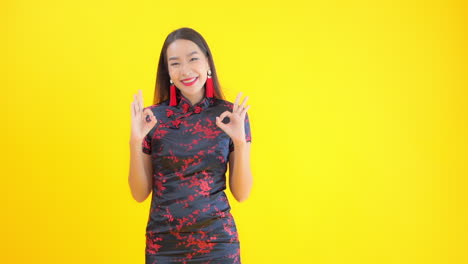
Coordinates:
(176, 123)
(169, 112)
(158, 134)
(168, 215)
(152, 247)
(159, 187)
(190, 218)
(197, 109)
(205, 188)
(185, 107)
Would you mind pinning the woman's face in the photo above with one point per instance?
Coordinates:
(188, 67)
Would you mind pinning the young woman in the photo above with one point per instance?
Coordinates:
(180, 149)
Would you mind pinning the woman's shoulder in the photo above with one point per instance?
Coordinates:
(158, 106)
(223, 103)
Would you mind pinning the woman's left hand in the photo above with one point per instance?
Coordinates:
(235, 128)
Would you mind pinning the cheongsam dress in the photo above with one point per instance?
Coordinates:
(190, 219)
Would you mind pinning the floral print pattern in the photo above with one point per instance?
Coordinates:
(190, 219)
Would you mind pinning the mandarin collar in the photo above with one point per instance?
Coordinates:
(186, 106)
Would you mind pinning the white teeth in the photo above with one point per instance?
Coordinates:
(189, 80)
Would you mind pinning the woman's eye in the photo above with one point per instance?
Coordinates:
(194, 59)
(174, 64)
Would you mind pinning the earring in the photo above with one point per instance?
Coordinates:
(172, 95)
(209, 86)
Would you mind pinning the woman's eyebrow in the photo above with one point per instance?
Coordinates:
(190, 54)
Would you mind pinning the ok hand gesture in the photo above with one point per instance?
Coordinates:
(140, 127)
(235, 128)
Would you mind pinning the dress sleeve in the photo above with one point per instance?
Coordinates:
(248, 135)
(146, 144)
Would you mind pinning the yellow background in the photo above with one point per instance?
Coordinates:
(358, 119)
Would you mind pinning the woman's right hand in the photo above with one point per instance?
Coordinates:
(140, 127)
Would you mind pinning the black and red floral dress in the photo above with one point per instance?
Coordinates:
(190, 219)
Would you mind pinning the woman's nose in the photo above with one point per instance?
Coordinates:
(186, 70)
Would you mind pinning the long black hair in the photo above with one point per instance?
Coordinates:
(161, 91)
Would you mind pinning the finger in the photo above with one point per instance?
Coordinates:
(219, 123)
(138, 104)
(135, 107)
(236, 103)
(224, 114)
(140, 98)
(132, 110)
(241, 107)
(152, 122)
(148, 112)
(244, 112)
(135, 101)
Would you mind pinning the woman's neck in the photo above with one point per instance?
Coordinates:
(194, 99)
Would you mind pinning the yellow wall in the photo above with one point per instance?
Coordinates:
(358, 117)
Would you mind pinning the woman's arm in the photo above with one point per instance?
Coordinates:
(140, 176)
(240, 175)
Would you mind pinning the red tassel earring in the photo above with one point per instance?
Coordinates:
(172, 95)
(209, 86)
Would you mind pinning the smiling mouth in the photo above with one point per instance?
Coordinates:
(190, 81)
